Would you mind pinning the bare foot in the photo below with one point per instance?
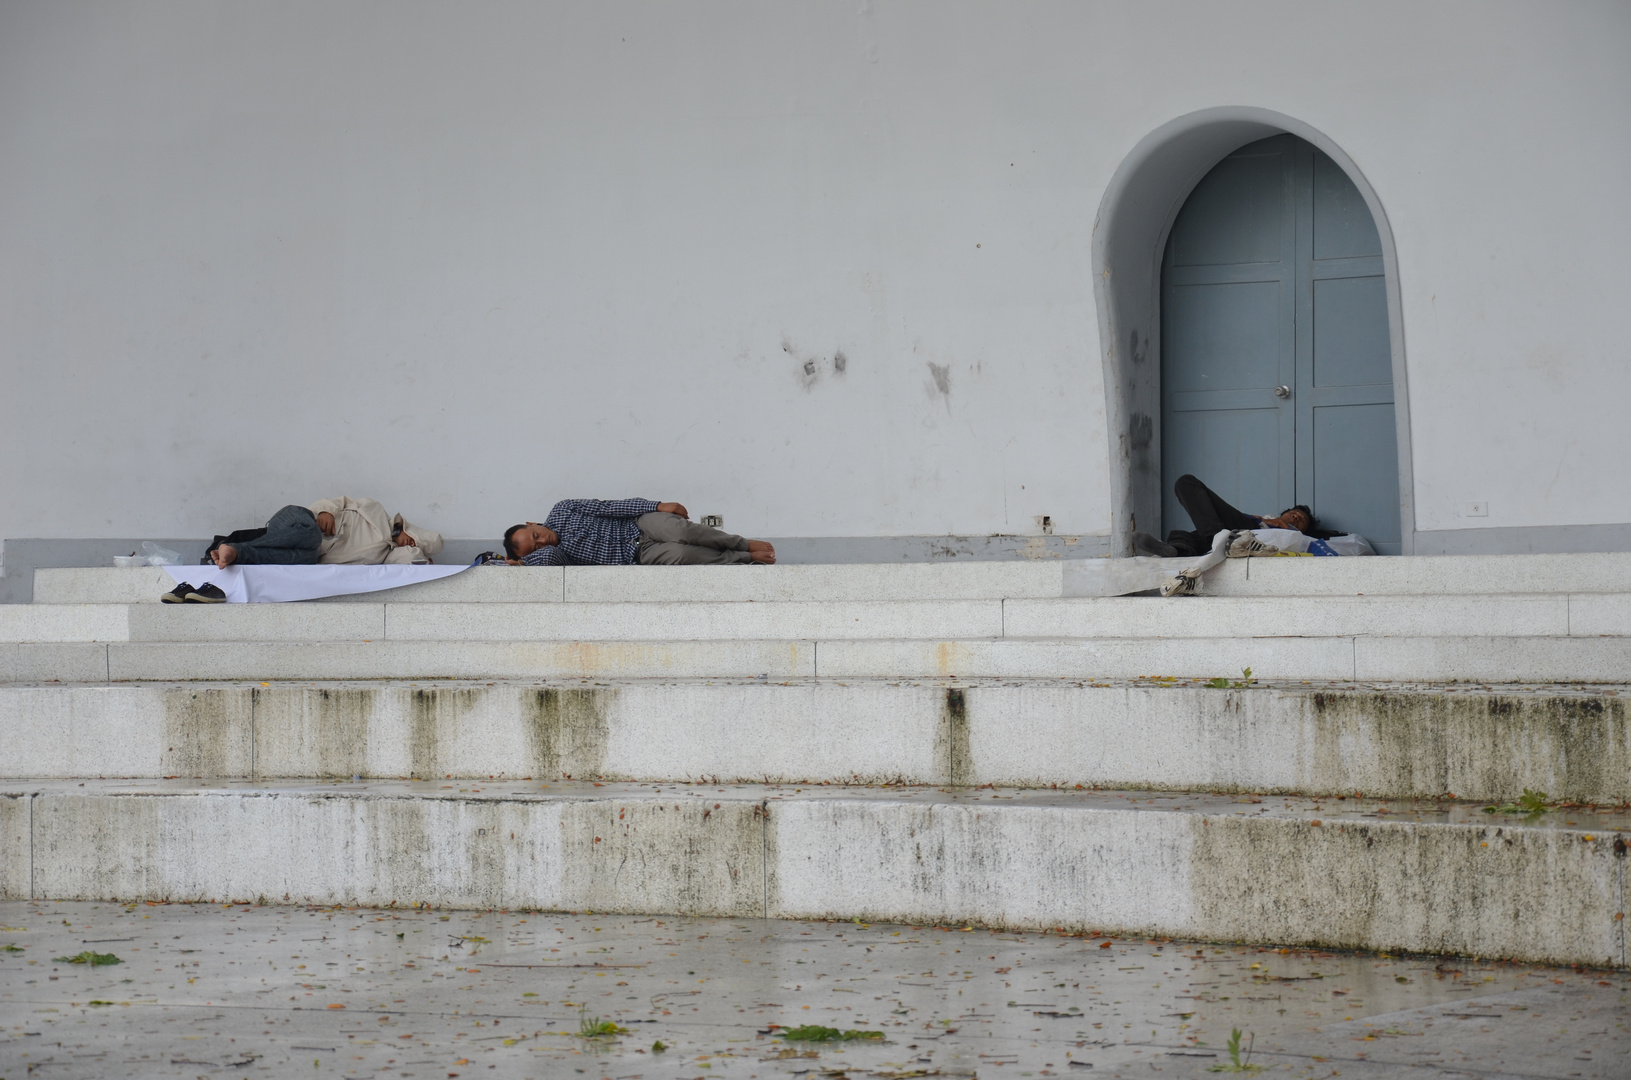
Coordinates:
(225, 556)
(762, 552)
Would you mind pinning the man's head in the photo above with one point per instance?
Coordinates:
(1299, 517)
(407, 534)
(522, 540)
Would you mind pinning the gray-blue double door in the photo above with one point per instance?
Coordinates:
(1276, 364)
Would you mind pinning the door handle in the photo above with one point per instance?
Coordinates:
(1282, 392)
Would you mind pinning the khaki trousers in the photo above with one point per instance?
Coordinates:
(670, 540)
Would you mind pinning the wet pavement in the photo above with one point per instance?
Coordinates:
(235, 991)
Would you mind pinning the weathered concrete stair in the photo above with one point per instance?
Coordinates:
(1400, 742)
(1526, 616)
(1353, 874)
(912, 676)
(1401, 576)
(1002, 620)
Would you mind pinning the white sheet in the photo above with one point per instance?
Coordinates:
(1140, 573)
(279, 584)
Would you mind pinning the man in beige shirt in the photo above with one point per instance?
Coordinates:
(360, 532)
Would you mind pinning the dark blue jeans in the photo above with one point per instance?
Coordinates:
(291, 539)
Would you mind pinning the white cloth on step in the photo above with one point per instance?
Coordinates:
(1140, 573)
(269, 584)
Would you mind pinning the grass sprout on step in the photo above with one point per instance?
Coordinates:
(593, 1027)
(1244, 682)
(95, 959)
(1530, 803)
(817, 1033)
(1235, 1064)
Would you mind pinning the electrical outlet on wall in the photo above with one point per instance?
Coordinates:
(1045, 523)
(713, 520)
(1475, 509)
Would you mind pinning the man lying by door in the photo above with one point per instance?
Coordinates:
(1210, 515)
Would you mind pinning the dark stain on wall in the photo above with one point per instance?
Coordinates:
(953, 755)
(1573, 748)
(569, 731)
(811, 368)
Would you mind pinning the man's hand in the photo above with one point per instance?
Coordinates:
(325, 521)
(673, 508)
(224, 556)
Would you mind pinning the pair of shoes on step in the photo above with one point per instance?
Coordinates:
(184, 593)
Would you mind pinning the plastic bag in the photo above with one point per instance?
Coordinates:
(1289, 541)
(1348, 544)
(160, 556)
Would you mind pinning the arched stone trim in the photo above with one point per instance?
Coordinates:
(1129, 235)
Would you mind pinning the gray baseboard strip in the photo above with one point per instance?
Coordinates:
(1529, 540)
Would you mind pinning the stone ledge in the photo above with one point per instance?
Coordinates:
(1440, 575)
(1525, 616)
(1371, 659)
(1335, 739)
(1428, 878)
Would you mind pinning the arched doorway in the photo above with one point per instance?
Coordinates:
(1141, 203)
(1276, 367)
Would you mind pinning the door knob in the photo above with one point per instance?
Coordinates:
(1282, 392)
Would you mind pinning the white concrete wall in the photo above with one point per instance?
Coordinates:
(473, 258)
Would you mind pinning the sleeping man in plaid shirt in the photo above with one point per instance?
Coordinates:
(595, 532)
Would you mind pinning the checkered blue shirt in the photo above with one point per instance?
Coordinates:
(593, 532)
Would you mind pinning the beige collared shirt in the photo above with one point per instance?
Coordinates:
(362, 534)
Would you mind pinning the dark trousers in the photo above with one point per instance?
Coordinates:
(291, 539)
(1210, 515)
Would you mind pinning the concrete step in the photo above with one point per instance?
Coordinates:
(1538, 615)
(1041, 578)
(1334, 740)
(1429, 878)
(614, 584)
(1368, 659)
(500, 622)
(1408, 575)
(145, 662)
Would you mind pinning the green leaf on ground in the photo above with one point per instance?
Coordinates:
(1530, 802)
(817, 1033)
(1245, 682)
(95, 959)
(593, 1027)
